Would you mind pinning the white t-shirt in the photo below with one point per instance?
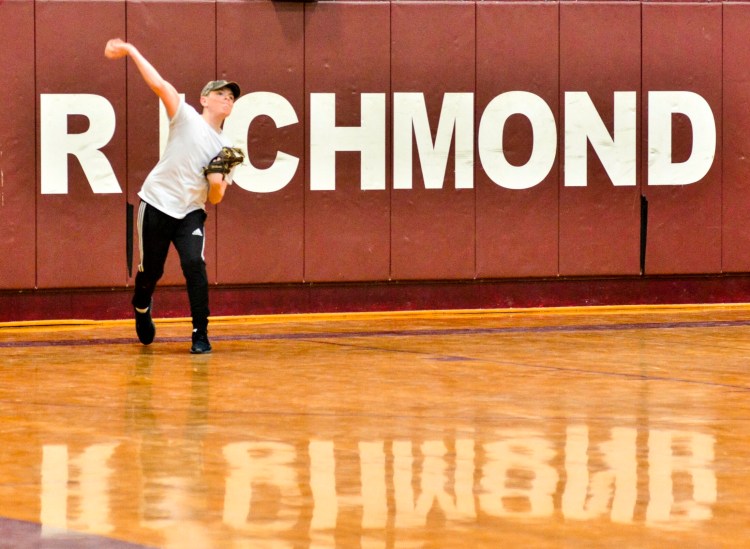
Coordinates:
(176, 186)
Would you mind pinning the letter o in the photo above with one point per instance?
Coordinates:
(544, 147)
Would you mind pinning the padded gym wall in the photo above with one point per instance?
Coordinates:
(17, 148)
(77, 238)
(347, 230)
(682, 51)
(80, 234)
(517, 231)
(736, 121)
(261, 235)
(600, 53)
(433, 53)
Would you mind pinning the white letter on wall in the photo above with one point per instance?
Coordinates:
(56, 143)
(326, 139)
(544, 129)
(246, 109)
(456, 116)
(661, 106)
(583, 124)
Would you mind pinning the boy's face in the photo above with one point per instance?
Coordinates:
(219, 101)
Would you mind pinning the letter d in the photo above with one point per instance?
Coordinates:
(661, 106)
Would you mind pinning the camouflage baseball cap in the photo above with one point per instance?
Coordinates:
(214, 85)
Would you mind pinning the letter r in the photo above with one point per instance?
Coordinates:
(56, 143)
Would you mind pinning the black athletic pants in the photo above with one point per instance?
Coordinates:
(156, 231)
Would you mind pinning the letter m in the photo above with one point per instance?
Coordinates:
(456, 117)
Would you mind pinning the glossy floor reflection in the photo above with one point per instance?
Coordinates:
(600, 427)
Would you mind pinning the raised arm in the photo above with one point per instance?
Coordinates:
(117, 48)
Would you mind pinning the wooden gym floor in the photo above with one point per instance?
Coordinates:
(578, 427)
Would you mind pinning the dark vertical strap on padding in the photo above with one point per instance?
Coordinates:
(129, 237)
(644, 232)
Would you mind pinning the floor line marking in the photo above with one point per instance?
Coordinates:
(398, 333)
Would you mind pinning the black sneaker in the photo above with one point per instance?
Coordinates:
(144, 326)
(201, 344)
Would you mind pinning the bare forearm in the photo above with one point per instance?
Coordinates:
(150, 75)
(216, 192)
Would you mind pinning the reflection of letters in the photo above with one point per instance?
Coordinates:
(323, 485)
(518, 479)
(254, 465)
(373, 499)
(395, 484)
(434, 478)
(375, 506)
(92, 478)
(617, 483)
(672, 452)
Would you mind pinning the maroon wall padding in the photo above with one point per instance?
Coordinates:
(736, 139)
(17, 148)
(347, 52)
(433, 52)
(516, 230)
(260, 235)
(80, 235)
(184, 54)
(600, 53)
(682, 51)
(59, 242)
(87, 304)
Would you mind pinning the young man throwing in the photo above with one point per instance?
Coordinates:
(173, 197)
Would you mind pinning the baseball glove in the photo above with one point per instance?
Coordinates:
(222, 163)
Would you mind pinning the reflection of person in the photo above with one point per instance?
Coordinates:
(173, 197)
(170, 447)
